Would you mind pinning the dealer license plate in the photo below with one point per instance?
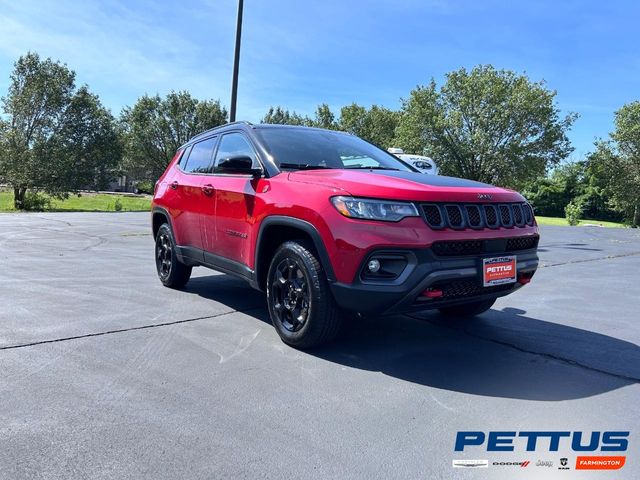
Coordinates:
(498, 271)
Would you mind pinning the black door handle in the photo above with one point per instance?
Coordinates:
(174, 185)
(207, 189)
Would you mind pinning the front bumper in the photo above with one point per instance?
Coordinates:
(458, 277)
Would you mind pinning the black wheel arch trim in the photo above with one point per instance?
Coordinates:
(162, 211)
(306, 227)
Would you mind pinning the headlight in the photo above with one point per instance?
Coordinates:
(369, 209)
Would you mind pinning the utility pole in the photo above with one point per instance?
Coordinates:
(236, 65)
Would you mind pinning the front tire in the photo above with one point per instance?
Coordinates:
(171, 272)
(468, 310)
(301, 306)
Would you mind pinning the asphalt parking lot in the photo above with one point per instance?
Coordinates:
(106, 374)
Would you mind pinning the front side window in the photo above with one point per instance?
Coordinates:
(199, 160)
(299, 149)
(235, 145)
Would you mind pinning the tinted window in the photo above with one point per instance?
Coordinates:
(299, 148)
(183, 159)
(199, 160)
(235, 144)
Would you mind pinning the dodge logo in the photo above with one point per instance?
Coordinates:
(485, 196)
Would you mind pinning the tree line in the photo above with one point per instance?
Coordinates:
(485, 124)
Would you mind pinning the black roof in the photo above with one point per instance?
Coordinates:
(258, 126)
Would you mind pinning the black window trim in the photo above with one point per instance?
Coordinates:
(189, 147)
(251, 144)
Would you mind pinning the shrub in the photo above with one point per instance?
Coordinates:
(36, 202)
(145, 186)
(573, 212)
(118, 205)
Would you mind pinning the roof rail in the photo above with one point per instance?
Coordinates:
(244, 122)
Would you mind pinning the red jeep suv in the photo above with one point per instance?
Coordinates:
(325, 222)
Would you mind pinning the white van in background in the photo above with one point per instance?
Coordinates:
(422, 163)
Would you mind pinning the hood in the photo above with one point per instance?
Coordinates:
(412, 186)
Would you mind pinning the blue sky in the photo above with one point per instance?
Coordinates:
(301, 53)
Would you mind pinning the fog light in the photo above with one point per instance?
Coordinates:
(373, 266)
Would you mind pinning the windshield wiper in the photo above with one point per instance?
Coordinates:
(362, 167)
(302, 166)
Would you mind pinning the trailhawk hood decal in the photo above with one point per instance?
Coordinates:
(406, 186)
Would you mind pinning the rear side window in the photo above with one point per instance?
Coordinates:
(199, 160)
(235, 144)
(183, 158)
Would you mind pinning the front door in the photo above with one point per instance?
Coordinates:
(235, 203)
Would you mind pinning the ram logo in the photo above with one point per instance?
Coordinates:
(485, 196)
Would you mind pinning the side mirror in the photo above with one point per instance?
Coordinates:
(240, 164)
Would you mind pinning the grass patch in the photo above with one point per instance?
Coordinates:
(87, 202)
(563, 222)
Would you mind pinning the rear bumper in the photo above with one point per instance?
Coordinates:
(458, 277)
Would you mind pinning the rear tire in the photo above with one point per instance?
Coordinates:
(467, 310)
(171, 272)
(301, 306)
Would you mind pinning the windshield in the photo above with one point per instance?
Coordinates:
(300, 149)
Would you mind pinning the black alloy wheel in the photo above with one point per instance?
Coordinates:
(171, 271)
(291, 295)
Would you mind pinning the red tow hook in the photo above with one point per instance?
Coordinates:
(432, 293)
(524, 279)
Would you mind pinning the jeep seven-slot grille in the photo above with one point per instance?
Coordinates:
(453, 248)
(477, 216)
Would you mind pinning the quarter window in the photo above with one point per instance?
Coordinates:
(183, 158)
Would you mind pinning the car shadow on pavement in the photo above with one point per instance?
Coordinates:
(227, 290)
(502, 353)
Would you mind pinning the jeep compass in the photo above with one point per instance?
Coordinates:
(326, 223)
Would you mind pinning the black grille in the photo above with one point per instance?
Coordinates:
(473, 214)
(517, 215)
(477, 216)
(505, 216)
(468, 288)
(452, 248)
(433, 215)
(522, 243)
(528, 214)
(454, 216)
(492, 216)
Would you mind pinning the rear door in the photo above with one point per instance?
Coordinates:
(193, 199)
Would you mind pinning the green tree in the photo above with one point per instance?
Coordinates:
(88, 143)
(325, 118)
(550, 195)
(280, 116)
(488, 125)
(154, 128)
(376, 125)
(35, 105)
(618, 161)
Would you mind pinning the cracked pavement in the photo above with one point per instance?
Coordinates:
(106, 374)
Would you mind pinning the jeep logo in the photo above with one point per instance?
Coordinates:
(485, 196)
